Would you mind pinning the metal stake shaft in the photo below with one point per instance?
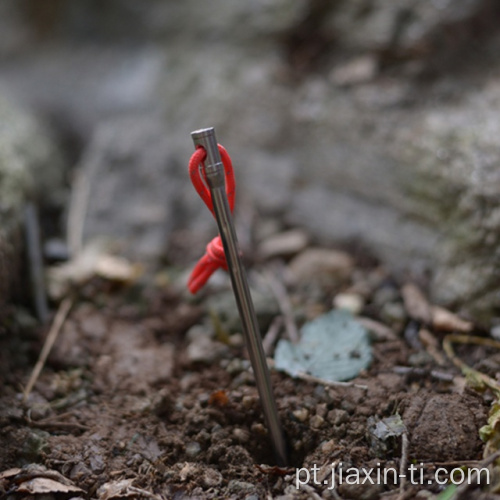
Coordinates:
(214, 172)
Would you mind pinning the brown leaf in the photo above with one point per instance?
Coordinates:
(416, 304)
(446, 321)
(44, 485)
(116, 489)
(7, 474)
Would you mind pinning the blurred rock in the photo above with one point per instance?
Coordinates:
(129, 187)
(283, 244)
(31, 167)
(380, 155)
(362, 25)
(329, 266)
(351, 302)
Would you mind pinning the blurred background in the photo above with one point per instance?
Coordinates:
(371, 124)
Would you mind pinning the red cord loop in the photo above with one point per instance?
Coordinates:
(214, 257)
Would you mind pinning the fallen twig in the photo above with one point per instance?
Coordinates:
(377, 329)
(311, 378)
(272, 335)
(284, 304)
(55, 328)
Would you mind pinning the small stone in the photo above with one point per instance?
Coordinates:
(259, 429)
(328, 447)
(321, 410)
(301, 414)
(495, 332)
(241, 435)
(385, 294)
(249, 402)
(242, 487)
(202, 349)
(316, 422)
(198, 331)
(211, 478)
(235, 366)
(284, 244)
(319, 263)
(236, 340)
(193, 449)
(393, 312)
(337, 416)
(351, 302)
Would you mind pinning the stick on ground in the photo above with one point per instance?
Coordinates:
(55, 328)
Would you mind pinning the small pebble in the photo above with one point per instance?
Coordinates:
(328, 447)
(301, 414)
(351, 302)
(249, 402)
(259, 428)
(329, 266)
(236, 340)
(393, 312)
(337, 416)
(241, 435)
(237, 486)
(495, 332)
(202, 349)
(242, 379)
(316, 422)
(321, 410)
(235, 366)
(193, 449)
(211, 478)
(284, 244)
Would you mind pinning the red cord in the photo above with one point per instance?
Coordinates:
(214, 257)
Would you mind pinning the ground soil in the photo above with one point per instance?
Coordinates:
(123, 409)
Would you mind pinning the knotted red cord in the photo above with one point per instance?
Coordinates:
(214, 257)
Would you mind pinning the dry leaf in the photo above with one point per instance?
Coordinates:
(93, 260)
(416, 304)
(116, 489)
(6, 474)
(44, 485)
(117, 269)
(446, 321)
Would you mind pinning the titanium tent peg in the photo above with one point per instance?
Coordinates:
(215, 178)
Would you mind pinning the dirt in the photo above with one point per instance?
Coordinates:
(123, 408)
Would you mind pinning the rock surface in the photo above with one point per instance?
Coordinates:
(355, 119)
(30, 169)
